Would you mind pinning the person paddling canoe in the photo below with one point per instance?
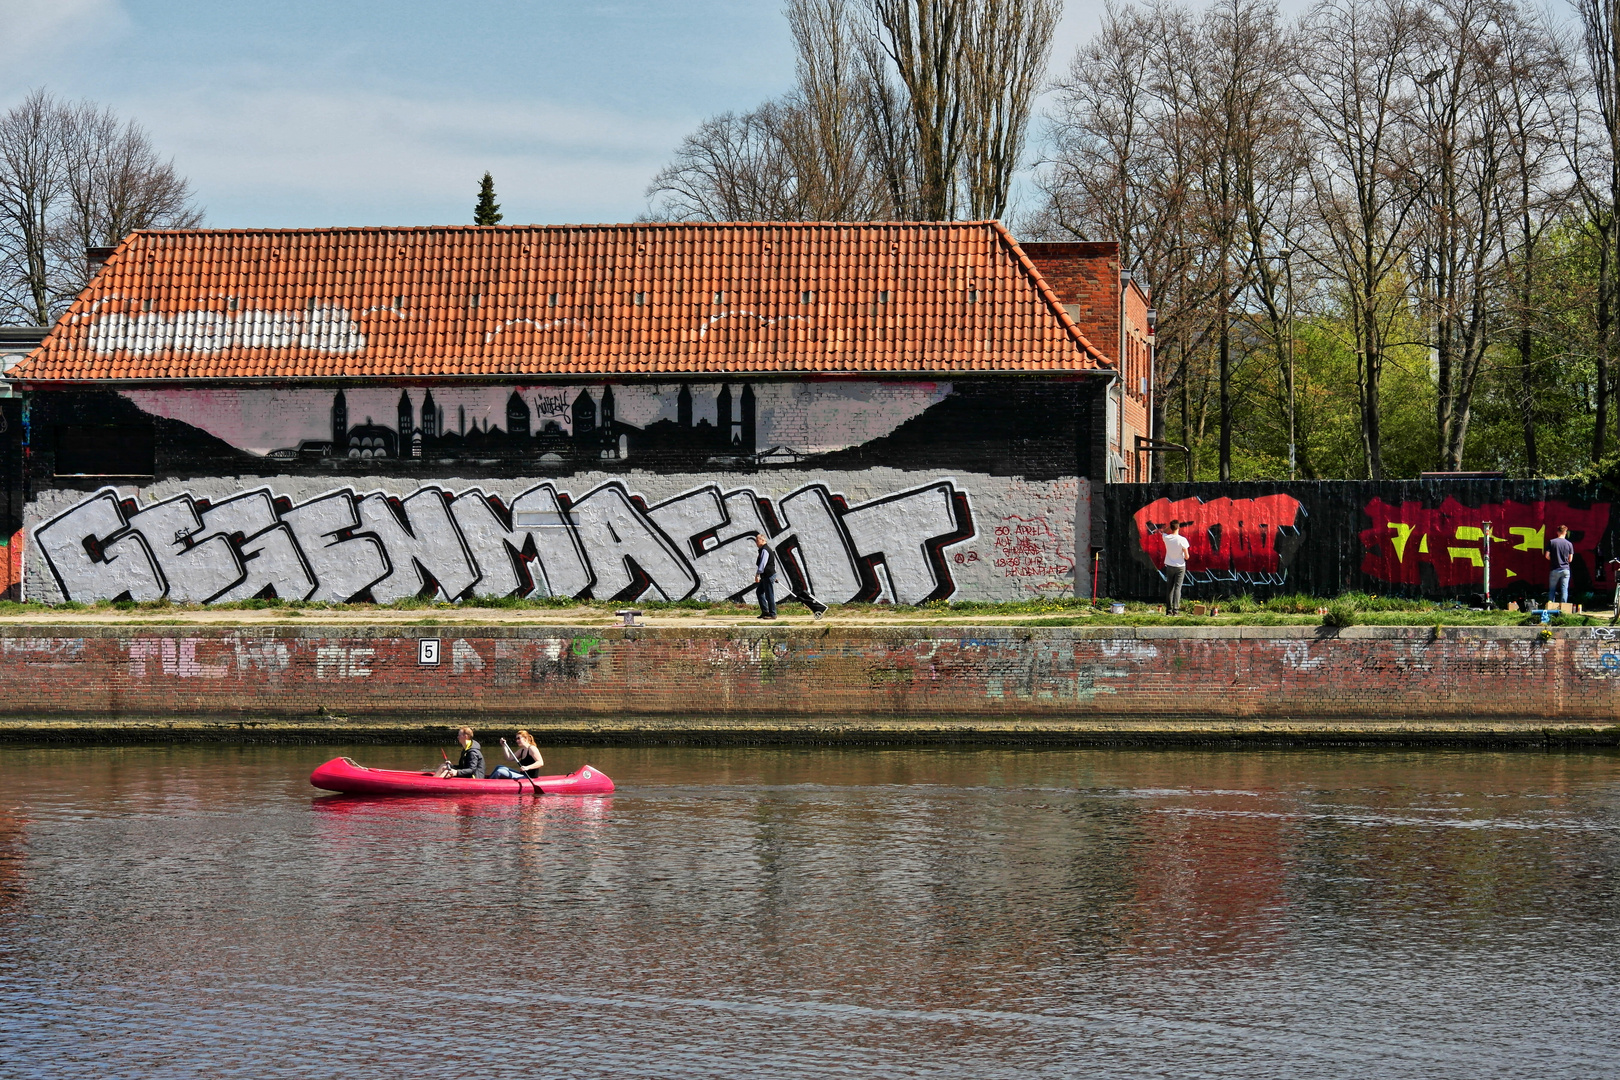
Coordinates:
(471, 762)
(527, 757)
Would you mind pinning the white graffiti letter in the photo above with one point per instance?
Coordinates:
(900, 528)
(95, 557)
(196, 570)
(538, 530)
(268, 549)
(626, 550)
(717, 534)
(421, 542)
(343, 566)
(825, 551)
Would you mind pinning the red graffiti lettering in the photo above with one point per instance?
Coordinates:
(1450, 540)
(1247, 540)
(1027, 548)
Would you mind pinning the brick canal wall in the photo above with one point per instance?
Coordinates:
(894, 679)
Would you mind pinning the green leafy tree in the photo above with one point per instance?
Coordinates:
(488, 211)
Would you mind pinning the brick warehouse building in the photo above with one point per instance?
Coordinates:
(911, 411)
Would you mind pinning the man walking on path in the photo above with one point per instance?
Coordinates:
(1175, 566)
(765, 577)
(1560, 552)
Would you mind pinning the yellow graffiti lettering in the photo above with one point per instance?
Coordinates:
(1469, 532)
(1471, 554)
(1423, 545)
(1530, 539)
(1403, 533)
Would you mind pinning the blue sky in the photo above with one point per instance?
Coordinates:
(357, 112)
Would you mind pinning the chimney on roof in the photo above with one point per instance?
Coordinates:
(94, 259)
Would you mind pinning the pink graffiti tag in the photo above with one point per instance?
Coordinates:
(1247, 540)
(1449, 539)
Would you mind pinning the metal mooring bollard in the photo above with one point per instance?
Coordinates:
(628, 616)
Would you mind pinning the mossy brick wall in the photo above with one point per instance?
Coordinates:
(558, 674)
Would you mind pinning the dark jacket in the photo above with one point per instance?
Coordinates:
(765, 565)
(471, 762)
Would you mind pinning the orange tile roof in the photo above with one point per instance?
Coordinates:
(563, 300)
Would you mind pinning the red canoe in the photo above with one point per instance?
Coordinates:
(343, 774)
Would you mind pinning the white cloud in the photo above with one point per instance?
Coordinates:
(35, 31)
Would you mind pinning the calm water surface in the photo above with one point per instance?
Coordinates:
(204, 912)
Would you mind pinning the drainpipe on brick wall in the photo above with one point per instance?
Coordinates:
(25, 484)
(1124, 284)
(1152, 386)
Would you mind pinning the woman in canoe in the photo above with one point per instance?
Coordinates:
(527, 757)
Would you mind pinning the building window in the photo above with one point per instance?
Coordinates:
(104, 450)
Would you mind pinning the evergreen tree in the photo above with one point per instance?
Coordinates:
(488, 211)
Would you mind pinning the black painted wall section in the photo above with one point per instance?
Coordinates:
(1037, 428)
(1393, 538)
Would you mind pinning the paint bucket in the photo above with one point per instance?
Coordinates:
(1116, 609)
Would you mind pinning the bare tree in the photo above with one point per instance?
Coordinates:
(1595, 153)
(732, 168)
(902, 109)
(1008, 44)
(1533, 68)
(1355, 90)
(33, 175)
(115, 184)
(74, 176)
(825, 132)
(1122, 167)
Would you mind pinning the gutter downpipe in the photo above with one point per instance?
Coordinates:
(1125, 277)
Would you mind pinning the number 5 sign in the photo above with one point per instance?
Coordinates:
(427, 651)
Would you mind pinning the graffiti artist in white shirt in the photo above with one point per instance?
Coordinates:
(1175, 565)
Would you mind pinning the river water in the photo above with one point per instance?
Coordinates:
(201, 911)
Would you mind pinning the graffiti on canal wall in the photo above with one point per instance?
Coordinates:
(1448, 541)
(1423, 537)
(608, 544)
(1251, 541)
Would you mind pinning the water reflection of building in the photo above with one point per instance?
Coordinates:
(595, 433)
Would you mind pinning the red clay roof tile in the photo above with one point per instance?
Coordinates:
(564, 300)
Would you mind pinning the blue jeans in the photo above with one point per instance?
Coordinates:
(1558, 586)
(503, 773)
(767, 597)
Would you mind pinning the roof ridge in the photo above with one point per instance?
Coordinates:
(1051, 297)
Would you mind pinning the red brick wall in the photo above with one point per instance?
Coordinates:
(556, 676)
(1087, 275)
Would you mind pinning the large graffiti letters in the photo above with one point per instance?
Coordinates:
(1443, 547)
(453, 545)
(95, 554)
(1251, 541)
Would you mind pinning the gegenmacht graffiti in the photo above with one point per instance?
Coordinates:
(608, 544)
(1250, 541)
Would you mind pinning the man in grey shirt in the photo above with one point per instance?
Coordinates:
(1560, 552)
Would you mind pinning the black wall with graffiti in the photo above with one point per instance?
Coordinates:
(1406, 538)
